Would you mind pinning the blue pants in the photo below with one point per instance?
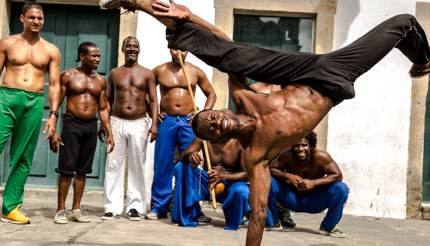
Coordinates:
(331, 197)
(192, 187)
(172, 131)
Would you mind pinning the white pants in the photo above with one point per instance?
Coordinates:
(131, 145)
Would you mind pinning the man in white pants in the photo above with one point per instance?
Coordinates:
(129, 85)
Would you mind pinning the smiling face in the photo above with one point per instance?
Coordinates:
(32, 20)
(302, 150)
(131, 49)
(216, 125)
(91, 58)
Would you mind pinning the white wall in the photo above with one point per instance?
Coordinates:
(368, 135)
(151, 35)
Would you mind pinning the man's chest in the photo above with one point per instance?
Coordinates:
(26, 54)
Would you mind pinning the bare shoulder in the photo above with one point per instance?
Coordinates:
(8, 41)
(66, 75)
(160, 68)
(145, 71)
(322, 157)
(194, 68)
(50, 47)
(69, 72)
(101, 80)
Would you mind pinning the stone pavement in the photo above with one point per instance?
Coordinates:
(40, 206)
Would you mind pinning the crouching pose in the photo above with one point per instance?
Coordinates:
(305, 179)
(192, 184)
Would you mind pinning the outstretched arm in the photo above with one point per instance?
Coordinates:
(175, 11)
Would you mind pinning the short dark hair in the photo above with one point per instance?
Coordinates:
(312, 139)
(29, 4)
(83, 49)
(127, 39)
(195, 124)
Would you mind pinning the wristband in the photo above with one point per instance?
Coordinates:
(55, 113)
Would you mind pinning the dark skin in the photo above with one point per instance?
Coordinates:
(305, 168)
(265, 124)
(27, 57)
(86, 96)
(175, 97)
(129, 86)
(225, 160)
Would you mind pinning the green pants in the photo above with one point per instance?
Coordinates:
(20, 116)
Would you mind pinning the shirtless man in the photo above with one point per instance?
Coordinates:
(129, 85)
(192, 183)
(306, 179)
(312, 85)
(86, 96)
(26, 57)
(176, 109)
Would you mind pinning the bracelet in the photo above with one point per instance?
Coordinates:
(55, 113)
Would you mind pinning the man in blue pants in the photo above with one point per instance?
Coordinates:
(192, 184)
(176, 107)
(305, 179)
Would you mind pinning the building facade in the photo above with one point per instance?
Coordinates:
(380, 139)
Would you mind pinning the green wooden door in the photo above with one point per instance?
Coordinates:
(67, 26)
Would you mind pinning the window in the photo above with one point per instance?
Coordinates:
(274, 32)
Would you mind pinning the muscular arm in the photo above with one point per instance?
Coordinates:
(53, 91)
(207, 89)
(180, 12)
(152, 96)
(236, 88)
(277, 167)
(330, 168)
(195, 146)
(110, 93)
(104, 117)
(234, 176)
(54, 80)
(64, 78)
(3, 47)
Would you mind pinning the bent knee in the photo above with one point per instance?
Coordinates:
(242, 192)
(403, 19)
(341, 190)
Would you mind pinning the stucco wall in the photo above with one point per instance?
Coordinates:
(369, 135)
(152, 37)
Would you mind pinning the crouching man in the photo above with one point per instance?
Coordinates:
(227, 176)
(305, 179)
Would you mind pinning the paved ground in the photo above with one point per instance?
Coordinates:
(360, 230)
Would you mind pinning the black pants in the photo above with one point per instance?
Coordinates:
(80, 142)
(333, 74)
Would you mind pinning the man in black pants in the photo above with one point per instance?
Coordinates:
(312, 85)
(86, 96)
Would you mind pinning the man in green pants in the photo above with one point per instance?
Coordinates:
(27, 57)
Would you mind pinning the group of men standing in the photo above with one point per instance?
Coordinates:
(268, 142)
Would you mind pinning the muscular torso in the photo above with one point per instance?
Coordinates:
(175, 98)
(82, 93)
(26, 63)
(226, 154)
(282, 119)
(130, 90)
